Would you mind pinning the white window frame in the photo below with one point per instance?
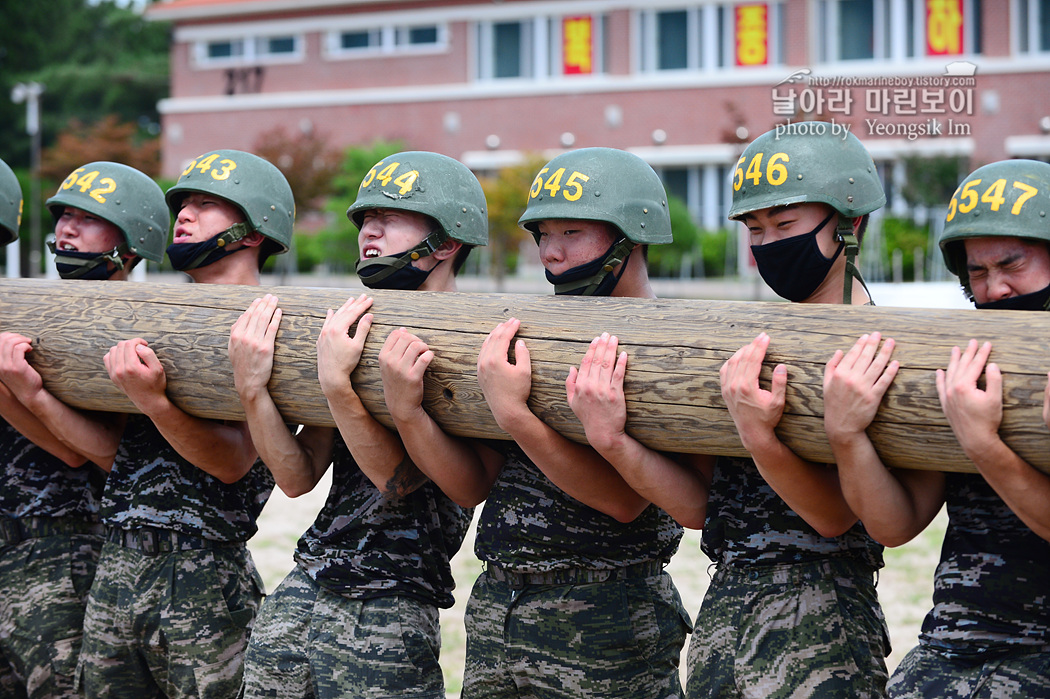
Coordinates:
(541, 57)
(251, 51)
(711, 43)
(391, 41)
(891, 39)
(1025, 29)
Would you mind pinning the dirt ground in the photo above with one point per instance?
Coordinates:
(905, 585)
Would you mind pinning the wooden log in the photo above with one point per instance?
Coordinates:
(675, 347)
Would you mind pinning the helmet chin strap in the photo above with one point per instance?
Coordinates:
(84, 265)
(844, 232)
(391, 264)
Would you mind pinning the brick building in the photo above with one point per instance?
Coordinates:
(681, 83)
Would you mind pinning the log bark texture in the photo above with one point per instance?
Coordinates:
(675, 349)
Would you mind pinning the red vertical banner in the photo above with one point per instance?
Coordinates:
(944, 27)
(577, 45)
(752, 34)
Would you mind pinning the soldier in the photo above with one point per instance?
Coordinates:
(783, 538)
(358, 615)
(176, 590)
(107, 217)
(988, 633)
(574, 601)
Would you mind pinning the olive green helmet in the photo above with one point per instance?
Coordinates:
(808, 161)
(601, 184)
(427, 183)
(252, 184)
(122, 195)
(10, 204)
(1010, 198)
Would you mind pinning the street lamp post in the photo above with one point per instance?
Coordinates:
(30, 94)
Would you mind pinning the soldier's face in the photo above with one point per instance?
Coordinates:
(387, 232)
(568, 243)
(1001, 268)
(79, 231)
(780, 222)
(204, 216)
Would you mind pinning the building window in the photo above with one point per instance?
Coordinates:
(361, 39)
(859, 30)
(541, 47)
(511, 50)
(710, 36)
(219, 50)
(417, 36)
(1033, 26)
(388, 39)
(276, 45)
(249, 50)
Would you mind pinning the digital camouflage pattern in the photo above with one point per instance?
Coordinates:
(37, 484)
(363, 545)
(47, 562)
(151, 485)
(172, 625)
(774, 570)
(45, 582)
(617, 638)
(925, 672)
(570, 638)
(992, 586)
(749, 524)
(795, 630)
(988, 634)
(530, 525)
(311, 643)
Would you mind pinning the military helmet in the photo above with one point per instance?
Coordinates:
(1008, 198)
(252, 184)
(10, 204)
(808, 161)
(601, 184)
(122, 195)
(427, 183)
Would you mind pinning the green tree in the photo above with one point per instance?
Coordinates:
(336, 245)
(506, 194)
(665, 260)
(94, 59)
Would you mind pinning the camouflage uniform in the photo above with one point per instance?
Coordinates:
(176, 591)
(788, 611)
(358, 616)
(988, 634)
(572, 602)
(50, 538)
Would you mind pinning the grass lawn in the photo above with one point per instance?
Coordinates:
(905, 585)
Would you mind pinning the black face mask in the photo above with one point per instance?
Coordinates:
(68, 269)
(565, 283)
(186, 256)
(794, 267)
(407, 278)
(72, 264)
(1035, 301)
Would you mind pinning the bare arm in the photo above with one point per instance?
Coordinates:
(20, 417)
(297, 461)
(378, 451)
(464, 470)
(895, 505)
(811, 490)
(975, 417)
(577, 469)
(222, 449)
(680, 484)
(94, 436)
